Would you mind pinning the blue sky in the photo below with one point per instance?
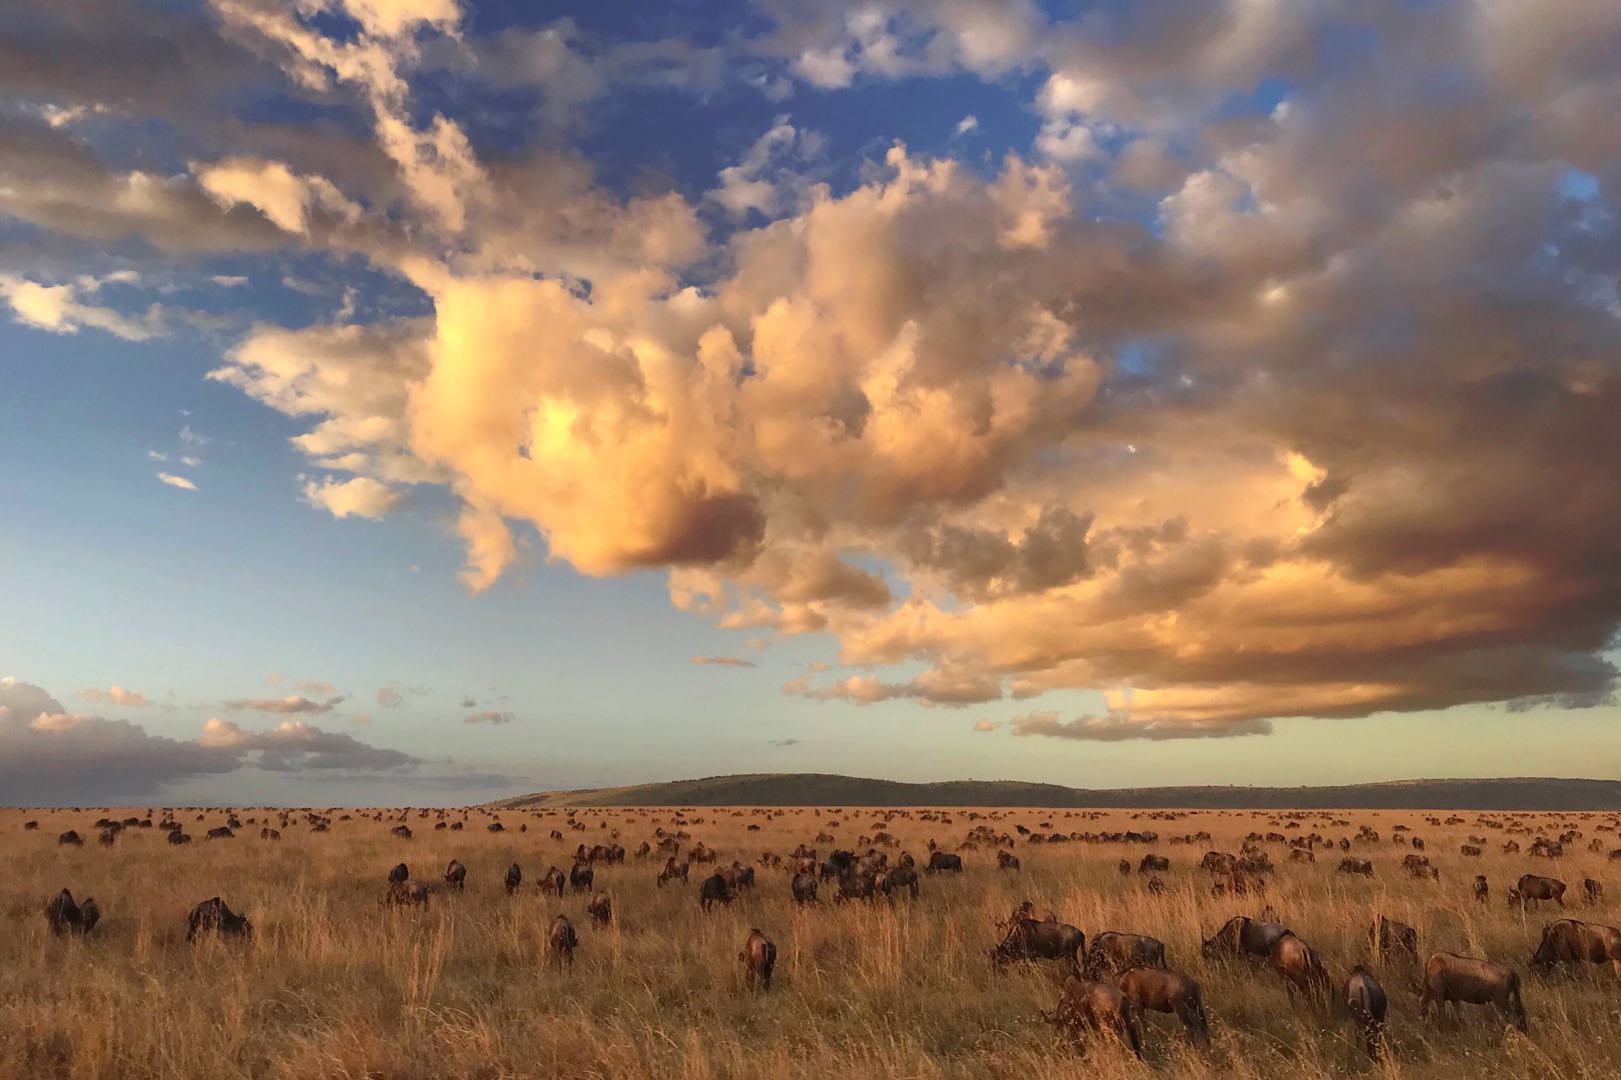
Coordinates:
(414, 401)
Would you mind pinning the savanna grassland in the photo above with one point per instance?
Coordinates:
(334, 985)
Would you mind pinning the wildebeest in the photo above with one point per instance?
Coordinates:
(581, 876)
(803, 888)
(941, 860)
(904, 877)
(1352, 865)
(1571, 941)
(406, 894)
(63, 915)
(1085, 1005)
(1111, 952)
(1388, 938)
(1300, 968)
(1243, 936)
(1482, 890)
(563, 941)
(1218, 862)
(220, 832)
(600, 909)
(513, 878)
(714, 890)
(178, 837)
(554, 881)
(398, 874)
(1124, 866)
(1027, 939)
(759, 958)
(456, 875)
(1006, 860)
(1592, 891)
(70, 838)
(672, 870)
(1366, 1003)
(1154, 863)
(401, 831)
(1532, 887)
(213, 916)
(1161, 990)
(1449, 977)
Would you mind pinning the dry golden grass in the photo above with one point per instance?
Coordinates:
(334, 986)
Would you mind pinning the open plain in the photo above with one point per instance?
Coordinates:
(333, 983)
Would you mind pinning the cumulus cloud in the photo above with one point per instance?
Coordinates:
(724, 661)
(115, 695)
(491, 717)
(294, 745)
(60, 309)
(292, 703)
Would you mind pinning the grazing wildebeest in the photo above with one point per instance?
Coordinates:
(600, 909)
(1300, 967)
(804, 888)
(70, 838)
(1482, 890)
(220, 832)
(63, 915)
(1155, 886)
(1030, 940)
(1570, 941)
(738, 876)
(1388, 938)
(212, 915)
(1161, 990)
(714, 890)
(1471, 850)
(1366, 1003)
(513, 878)
(554, 881)
(563, 941)
(1098, 1006)
(1592, 891)
(178, 837)
(1111, 952)
(759, 958)
(941, 860)
(1219, 862)
(1536, 887)
(1006, 860)
(1352, 865)
(581, 876)
(904, 877)
(401, 831)
(406, 894)
(672, 870)
(1243, 936)
(456, 875)
(1154, 863)
(1124, 866)
(398, 874)
(1449, 977)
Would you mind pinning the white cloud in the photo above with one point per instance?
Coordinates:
(176, 481)
(115, 695)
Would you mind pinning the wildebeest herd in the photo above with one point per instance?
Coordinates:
(1096, 928)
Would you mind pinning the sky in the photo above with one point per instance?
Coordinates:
(422, 401)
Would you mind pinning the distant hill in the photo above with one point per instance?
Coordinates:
(827, 789)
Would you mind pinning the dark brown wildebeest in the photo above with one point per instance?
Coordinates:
(513, 878)
(601, 909)
(759, 958)
(645, 850)
(178, 837)
(804, 888)
(1006, 860)
(1570, 941)
(108, 837)
(1155, 886)
(401, 831)
(1352, 865)
(1160, 990)
(1592, 891)
(1471, 850)
(213, 916)
(1482, 890)
(803, 864)
(1300, 968)
(581, 876)
(456, 875)
(398, 874)
(563, 941)
(738, 876)
(1111, 952)
(554, 881)
(1084, 1005)
(1388, 938)
(1366, 1003)
(1030, 940)
(30, 826)
(714, 890)
(941, 860)
(406, 894)
(672, 870)
(1449, 977)
(1534, 887)
(1154, 863)
(904, 877)
(70, 838)
(1219, 862)
(1124, 866)
(701, 853)
(1243, 936)
(1301, 855)
(220, 832)
(63, 915)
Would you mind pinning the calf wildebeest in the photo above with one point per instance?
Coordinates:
(1006, 860)
(1153, 863)
(1352, 865)
(1449, 977)
(1482, 890)
(1570, 941)
(1084, 1005)
(1111, 952)
(1030, 940)
(1300, 968)
(513, 878)
(70, 838)
(456, 875)
(213, 916)
(398, 874)
(63, 915)
(1532, 887)
(803, 888)
(1388, 938)
(941, 860)
(672, 870)
(1366, 1003)
(714, 890)
(406, 894)
(554, 881)
(581, 876)
(759, 958)
(1161, 990)
(600, 909)
(1243, 936)
(563, 941)
(1592, 891)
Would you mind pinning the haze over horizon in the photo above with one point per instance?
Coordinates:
(424, 401)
